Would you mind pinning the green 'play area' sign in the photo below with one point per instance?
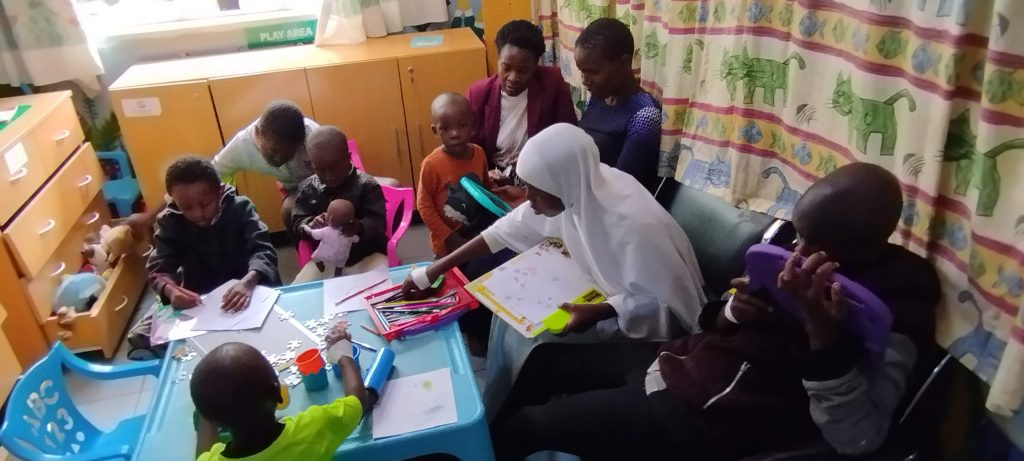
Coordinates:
(285, 33)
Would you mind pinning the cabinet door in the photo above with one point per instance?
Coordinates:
(9, 368)
(240, 101)
(163, 123)
(365, 101)
(501, 12)
(423, 78)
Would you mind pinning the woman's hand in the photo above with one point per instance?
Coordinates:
(181, 298)
(411, 292)
(745, 307)
(583, 317)
(822, 303)
(498, 178)
(513, 195)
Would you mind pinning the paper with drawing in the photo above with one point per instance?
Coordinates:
(415, 403)
(536, 282)
(350, 286)
(210, 316)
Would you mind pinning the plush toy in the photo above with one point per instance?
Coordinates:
(116, 241)
(96, 257)
(78, 291)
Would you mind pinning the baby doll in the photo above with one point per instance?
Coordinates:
(334, 245)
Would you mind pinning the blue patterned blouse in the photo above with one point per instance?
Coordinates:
(627, 134)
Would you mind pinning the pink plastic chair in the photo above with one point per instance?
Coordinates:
(354, 151)
(395, 198)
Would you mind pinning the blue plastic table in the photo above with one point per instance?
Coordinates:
(169, 435)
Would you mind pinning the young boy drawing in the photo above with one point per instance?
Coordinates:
(755, 379)
(337, 179)
(206, 236)
(452, 123)
(235, 388)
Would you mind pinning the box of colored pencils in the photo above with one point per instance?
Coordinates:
(396, 317)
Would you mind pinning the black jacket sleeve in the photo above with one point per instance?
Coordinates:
(303, 212)
(373, 215)
(164, 265)
(261, 253)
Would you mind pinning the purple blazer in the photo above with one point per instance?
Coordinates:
(548, 102)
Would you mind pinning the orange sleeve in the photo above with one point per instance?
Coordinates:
(482, 160)
(430, 185)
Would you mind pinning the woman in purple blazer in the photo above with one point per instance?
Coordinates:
(522, 99)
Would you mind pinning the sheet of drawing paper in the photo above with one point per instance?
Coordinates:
(415, 403)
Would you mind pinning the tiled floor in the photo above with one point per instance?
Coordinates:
(106, 403)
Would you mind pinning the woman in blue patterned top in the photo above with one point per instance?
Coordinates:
(623, 119)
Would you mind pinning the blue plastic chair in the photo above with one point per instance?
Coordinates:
(43, 424)
(121, 192)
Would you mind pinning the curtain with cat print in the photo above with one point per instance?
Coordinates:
(763, 97)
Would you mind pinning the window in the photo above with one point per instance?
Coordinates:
(113, 15)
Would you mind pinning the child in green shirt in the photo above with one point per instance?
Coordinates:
(235, 388)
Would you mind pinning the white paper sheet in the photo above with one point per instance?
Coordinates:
(339, 288)
(171, 325)
(415, 403)
(209, 315)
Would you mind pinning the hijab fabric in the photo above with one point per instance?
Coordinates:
(615, 231)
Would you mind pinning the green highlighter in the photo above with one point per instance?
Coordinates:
(558, 320)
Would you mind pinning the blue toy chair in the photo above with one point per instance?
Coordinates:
(42, 423)
(123, 191)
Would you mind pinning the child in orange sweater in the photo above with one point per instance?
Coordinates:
(444, 215)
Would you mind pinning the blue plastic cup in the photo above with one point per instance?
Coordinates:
(355, 358)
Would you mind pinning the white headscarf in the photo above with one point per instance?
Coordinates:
(615, 231)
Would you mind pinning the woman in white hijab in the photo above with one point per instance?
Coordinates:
(615, 231)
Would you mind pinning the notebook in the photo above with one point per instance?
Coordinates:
(526, 291)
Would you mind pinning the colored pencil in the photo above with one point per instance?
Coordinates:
(357, 292)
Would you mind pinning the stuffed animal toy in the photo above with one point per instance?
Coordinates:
(117, 241)
(79, 291)
(96, 256)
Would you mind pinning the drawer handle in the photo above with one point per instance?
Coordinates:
(85, 181)
(50, 224)
(60, 269)
(62, 135)
(95, 216)
(124, 302)
(21, 173)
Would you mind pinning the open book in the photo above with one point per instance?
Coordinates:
(526, 291)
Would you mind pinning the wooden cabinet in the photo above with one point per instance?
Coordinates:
(42, 241)
(180, 121)
(367, 90)
(423, 78)
(368, 110)
(497, 13)
(239, 101)
(9, 367)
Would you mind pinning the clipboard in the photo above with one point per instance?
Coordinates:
(539, 267)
